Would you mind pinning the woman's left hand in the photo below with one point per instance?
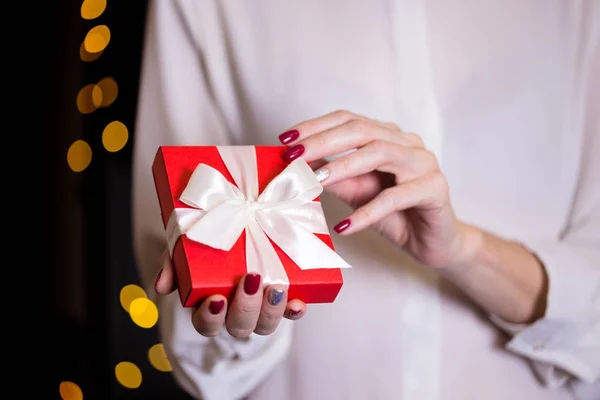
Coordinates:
(392, 181)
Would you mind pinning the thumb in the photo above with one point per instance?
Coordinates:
(165, 280)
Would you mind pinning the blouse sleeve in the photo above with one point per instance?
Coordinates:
(176, 107)
(564, 345)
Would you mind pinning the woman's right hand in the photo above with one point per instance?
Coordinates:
(253, 308)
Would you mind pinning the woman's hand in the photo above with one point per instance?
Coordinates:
(253, 309)
(392, 181)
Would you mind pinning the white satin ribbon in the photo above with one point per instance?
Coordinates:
(284, 212)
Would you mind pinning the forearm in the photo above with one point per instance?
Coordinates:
(503, 277)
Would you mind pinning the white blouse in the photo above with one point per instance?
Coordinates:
(506, 93)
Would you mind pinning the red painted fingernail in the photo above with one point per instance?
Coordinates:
(289, 136)
(157, 279)
(294, 313)
(216, 306)
(342, 226)
(293, 152)
(251, 284)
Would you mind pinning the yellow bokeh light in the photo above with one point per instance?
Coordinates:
(158, 358)
(87, 96)
(129, 293)
(109, 89)
(70, 391)
(128, 374)
(143, 312)
(87, 56)
(97, 95)
(97, 39)
(114, 136)
(79, 155)
(91, 9)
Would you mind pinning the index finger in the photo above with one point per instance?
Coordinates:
(311, 127)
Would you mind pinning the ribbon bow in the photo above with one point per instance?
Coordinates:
(284, 212)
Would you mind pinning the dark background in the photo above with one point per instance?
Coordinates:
(91, 244)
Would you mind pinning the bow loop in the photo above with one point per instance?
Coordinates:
(208, 188)
(294, 186)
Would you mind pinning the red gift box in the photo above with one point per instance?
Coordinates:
(202, 270)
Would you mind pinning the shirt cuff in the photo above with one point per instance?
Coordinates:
(564, 343)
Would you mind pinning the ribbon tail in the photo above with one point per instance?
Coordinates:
(301, 245)
(261, 257)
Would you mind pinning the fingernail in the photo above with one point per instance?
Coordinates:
(322, 174)
(276, 296)
(216, 306)
(293, 152)
(157, 279)
(289, 136)
(294, 313)
(251, 284)
(342, 226)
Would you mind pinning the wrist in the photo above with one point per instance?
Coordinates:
(501, 276)
(470, 246)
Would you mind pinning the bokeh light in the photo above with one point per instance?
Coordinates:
(128, 374)
(79, 155)
(91, 9)
(70, 391)
(97, 39)
(158, 358)
(133, 298)
(88, 96)
(109, 89)
(114, 136)
(129, 293)
(143, 312)
(87, 56)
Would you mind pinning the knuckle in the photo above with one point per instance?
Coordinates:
(209, 333)
(366, 214)
(431, 161)
(393, 126)
(205, 329)
(345, 163)
(269, 319)
(381, 148)
(267, 324)
(262, 331)
(382, 151)
(247, 310)
(439, 183)
(359, 126)
(389, 197)
(343, 114)
(416, 139)
(320, 141)
(239, 332)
